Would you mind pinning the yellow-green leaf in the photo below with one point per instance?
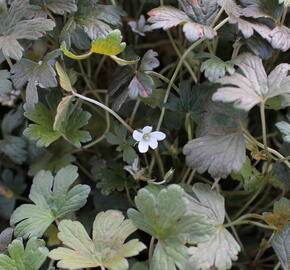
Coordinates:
(109, 45)
(62, 112)
(64, 79)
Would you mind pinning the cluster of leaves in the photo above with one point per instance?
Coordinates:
(208, 79)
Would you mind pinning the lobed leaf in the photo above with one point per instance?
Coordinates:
(53, 197)
(252, 86)
(222, 248)
(106, 248)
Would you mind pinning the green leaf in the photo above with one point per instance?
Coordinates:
(42, 131)
(252, 86)
(280, 216)
(53, 198)
(281, 245)
(110, 45)
(124, 146)
(44, 118)
(191, 99)
(222, 248)
(17, 24)
(111, 177)
(221, 149)
(247, 176)
(29, 258)
(35, 74)
(64, 79)
(170, 256)
(106, 248)
(162, 214)
(51, 159)
(215, 68)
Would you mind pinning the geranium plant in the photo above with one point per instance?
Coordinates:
(145, 134)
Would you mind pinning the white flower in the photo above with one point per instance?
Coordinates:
(147, 138)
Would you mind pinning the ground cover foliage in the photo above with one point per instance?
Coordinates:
(144, 134)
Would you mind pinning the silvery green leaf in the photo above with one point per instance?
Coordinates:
(40, 74)
(222, 248)
(140, 27)
(252, 85)
(166, 17)
(203, 11)
(13, 146)
(17, 24)
(5, 83)
(57, 6)
(280, 38)
(284, 128)
(169, 257)
(53, 197)
(162, 214)
(281, 245)
(12, 120)
(215, 68)
(5, 239)
(221, 147)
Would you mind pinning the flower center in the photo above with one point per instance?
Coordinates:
(146, 137)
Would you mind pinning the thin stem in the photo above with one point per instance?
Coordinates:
(106, 108)
(160, 163)
(9, 61)
(163, 78)
(264, 128)
(250, 201)
(191, 176)
(272, 151)
(277, 266)
(103, 136)
(180, 63)
(134, 112)
(187, 65)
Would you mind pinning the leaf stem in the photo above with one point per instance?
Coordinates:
(106, 108)
(277, 266)
(250, 201)
(272, 151)
(163, 78)
(264, 128)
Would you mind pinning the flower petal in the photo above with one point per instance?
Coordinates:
(137, 135)
(158, 135)
(153, 143)
(143, 146)
(147, 129)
